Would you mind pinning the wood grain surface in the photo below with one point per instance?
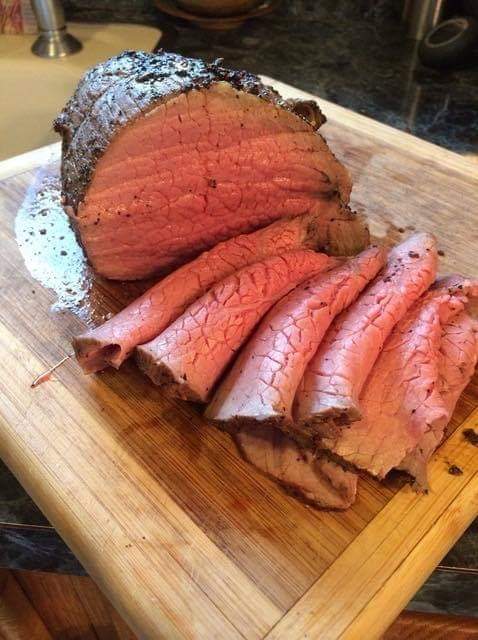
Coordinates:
(18, 618)
(183, 537)
(70, 607)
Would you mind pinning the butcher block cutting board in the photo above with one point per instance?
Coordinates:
(182, 535)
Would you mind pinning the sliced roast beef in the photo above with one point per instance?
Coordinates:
(458, 357)
(457, 361)
(402, 398)
(262, 383)
(146, 317)
(168, 156)
(328, 395)
(314, 478)
(191, 354)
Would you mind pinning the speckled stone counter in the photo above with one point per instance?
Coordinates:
(27, 540)
(354, 54)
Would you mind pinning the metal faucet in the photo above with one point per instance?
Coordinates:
(54, 41)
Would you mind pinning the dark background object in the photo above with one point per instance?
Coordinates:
(450, 43)
(470, 7)
(218, 7)
(218, 22)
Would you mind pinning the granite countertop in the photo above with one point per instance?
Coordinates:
(354, 54)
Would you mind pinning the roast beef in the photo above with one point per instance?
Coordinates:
(91, 87)
(313, 478)
(262, 383)
(456, 363)
(328, 395)
(146, 317)
(402, 398)
(190, 355)
(165, 156)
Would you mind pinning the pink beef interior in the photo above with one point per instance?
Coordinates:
(201, 167)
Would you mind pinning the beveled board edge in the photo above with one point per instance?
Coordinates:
(29, 160)
(375, 581)
(189, 586)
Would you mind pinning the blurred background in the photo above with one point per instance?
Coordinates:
(364, 55)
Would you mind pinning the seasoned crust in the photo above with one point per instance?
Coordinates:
(115, 92)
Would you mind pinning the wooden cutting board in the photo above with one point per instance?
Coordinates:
(183, 536)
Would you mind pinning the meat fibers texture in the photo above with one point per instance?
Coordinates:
(141, 321)
(313, 478)
(328, 395)
(262, 383)
(165, 156)
(403, 398)
(188, 357)
(457, 360)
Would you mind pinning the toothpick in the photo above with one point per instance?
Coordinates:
(47, 374)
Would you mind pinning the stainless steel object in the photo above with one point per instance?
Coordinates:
(422, 15)
(54, 41)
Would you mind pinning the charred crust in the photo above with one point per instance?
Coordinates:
(453, 470)
(308, 110)
(238, 423)
(145, 80)
(471, 436)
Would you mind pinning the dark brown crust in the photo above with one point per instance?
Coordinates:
(92, 86)
(306, 434)
(328, 424)
(237, 423)
(302, 438)
(471, 436)
(92, 353)
(119, 90)
(294, 490)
